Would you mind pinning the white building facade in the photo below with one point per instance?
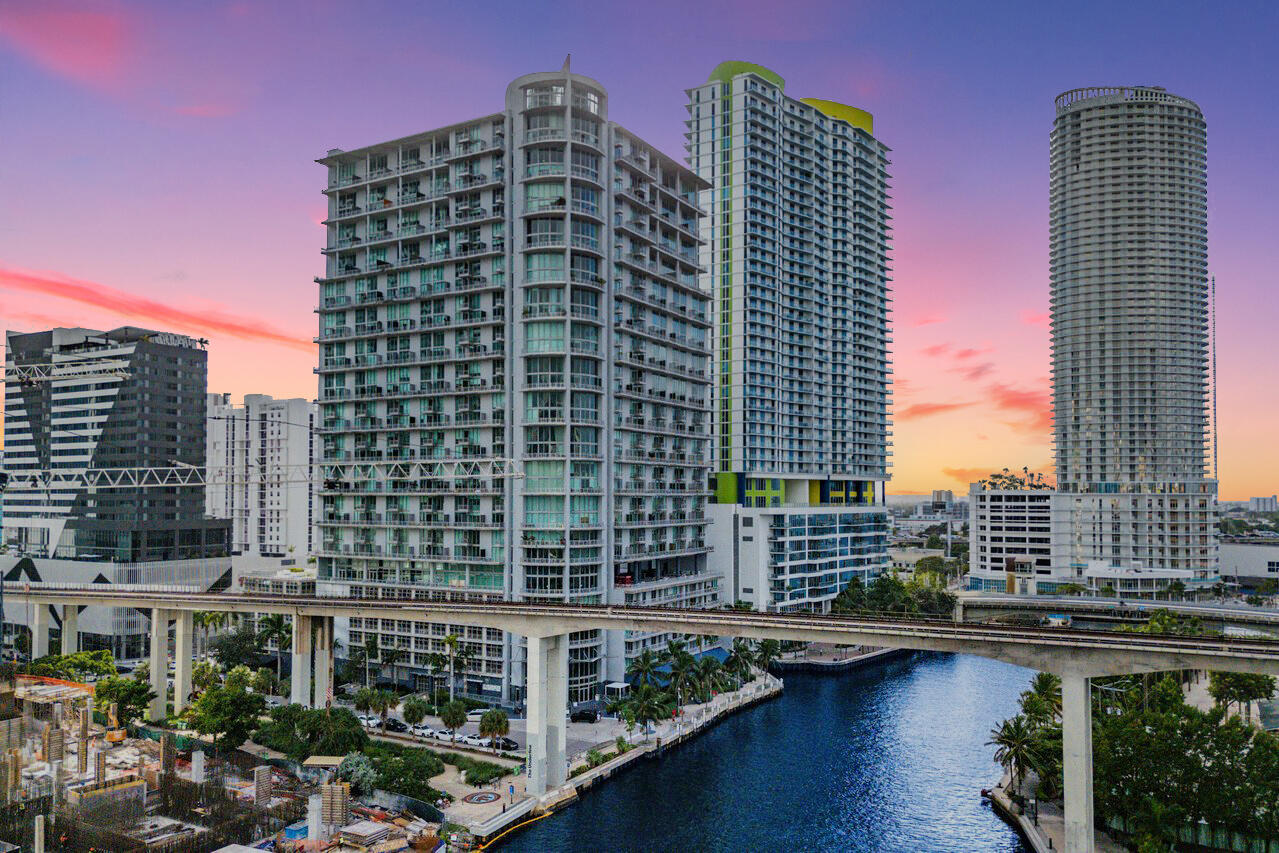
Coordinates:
(1135, 508)
(796, 268)
(271, 506)
(522, 286)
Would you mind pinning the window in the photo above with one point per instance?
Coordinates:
(544, 337)
(541, 266)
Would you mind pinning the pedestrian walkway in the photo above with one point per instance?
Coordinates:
(1045, 825)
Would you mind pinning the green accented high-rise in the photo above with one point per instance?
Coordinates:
(796, 260)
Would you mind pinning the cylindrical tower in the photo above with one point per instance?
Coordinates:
(1129, 248)
(1129, 258)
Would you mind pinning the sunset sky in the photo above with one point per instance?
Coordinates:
(158, 169)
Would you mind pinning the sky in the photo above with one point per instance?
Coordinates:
(159, 169)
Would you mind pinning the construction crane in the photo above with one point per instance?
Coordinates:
(333, 476)
(32, 374)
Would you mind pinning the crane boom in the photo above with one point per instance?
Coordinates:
(30, 374)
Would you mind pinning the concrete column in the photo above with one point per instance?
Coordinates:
(39, 630)
(323, 659)
(159, 662)
(70, 628)
(1076, 725)
(546, 685)
(183, 658)
(300, 679)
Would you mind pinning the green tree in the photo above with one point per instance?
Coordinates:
(239, 678)
(382, 702)
(648, 704)
(364, 700)
(241, 646)
(228, 713)
(1018, 749)
(930, 565)
(331, 731)
(414, 710)
(493, 725)
(1240, 688)
(740, 660)
(710, 678)
(681, 678)
(453, 716)
(133, 697)
(74, 666)
(205, 674)
(265, 681)
(274, 627)
(357, 768)
(766, 652)
(645, 668)
(1177, 590)
(435, 663)
(1046, 687)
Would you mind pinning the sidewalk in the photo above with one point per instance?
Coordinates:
(1048, 831)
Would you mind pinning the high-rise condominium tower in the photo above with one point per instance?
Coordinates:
(1129, 244)
(127, 398)
(796, 259)
(519, 286)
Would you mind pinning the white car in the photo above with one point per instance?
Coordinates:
(475, 740)
(445, 735)
(422, 731)
(369, 721)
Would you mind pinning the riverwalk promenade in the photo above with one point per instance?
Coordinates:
(1044, 829)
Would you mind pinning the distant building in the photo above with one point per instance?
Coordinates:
(1270, 504)
(1250, 563)
(141, 406)
(271, 512)
(1010, 541)
(903, 560)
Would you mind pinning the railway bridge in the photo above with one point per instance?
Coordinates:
(1075, 655)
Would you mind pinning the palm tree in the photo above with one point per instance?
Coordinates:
(461, 659)
(451, 643)
(382, 703)
(1018, 747)
(648, 704)
(364, 700)
(740, 659)
(682, 679)
(1047, 687)
(709, 677)
(435, 664)
(766, 652)
(644, 668)
(275, 627)
(453, 716)
(493, 725)
(674, 648)
(208, 621)
(367, 653)
(414, 710)
(390, 658)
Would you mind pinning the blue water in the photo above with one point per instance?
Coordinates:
(889, 759)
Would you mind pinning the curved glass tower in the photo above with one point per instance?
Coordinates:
(1129, 258)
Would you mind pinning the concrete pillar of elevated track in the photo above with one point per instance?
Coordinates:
(1076, 739)
(323, 660)
(70, 629)
(546, 689)
(182, 658)
(159, 663)
(39, 629)
(300, 677)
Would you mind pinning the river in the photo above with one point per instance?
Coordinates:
(889, 759)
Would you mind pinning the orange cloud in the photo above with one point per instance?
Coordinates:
(968, 475)
(139, 309)
(1035, 318)
(90, 46)
(923, 410)
(937, 349)
(977, 371)
(1037, 403)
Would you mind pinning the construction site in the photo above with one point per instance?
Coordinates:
(71, 779)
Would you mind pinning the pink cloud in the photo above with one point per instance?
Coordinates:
(968, 475)
(89, 45)
(937, 349)
(929, 319)
(923, 410)
(207, 110)
(1035, 318)
(975, 372)
(1034, 402)
(139, 309)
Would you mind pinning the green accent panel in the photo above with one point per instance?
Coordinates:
(726, 71)
(725, 488)
(842, 112)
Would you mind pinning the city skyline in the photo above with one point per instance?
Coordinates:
(223, 120)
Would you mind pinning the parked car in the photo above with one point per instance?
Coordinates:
(475, 740)
(473, 716)
(584, 715)
(421, 730)
(445, 735)
(368, 721)
(397, 726)
(507, 745)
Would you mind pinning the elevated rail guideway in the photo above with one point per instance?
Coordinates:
(1074, 654)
